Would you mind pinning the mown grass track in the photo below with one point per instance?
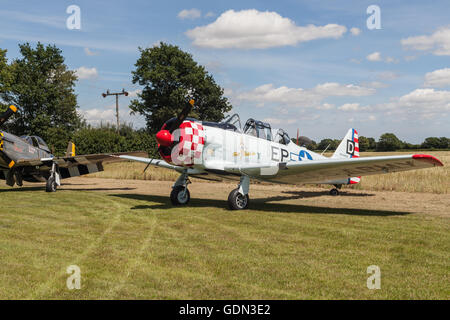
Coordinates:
(290, 245)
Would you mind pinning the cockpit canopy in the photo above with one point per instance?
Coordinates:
(37, 142)
(258, 129)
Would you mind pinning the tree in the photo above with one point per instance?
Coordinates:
(169, 76)
(42, 87)
(435, 143)
(5, 78)
(388, 142)
(372, 144)
(105, 139)
(325, 142)
(363, 143)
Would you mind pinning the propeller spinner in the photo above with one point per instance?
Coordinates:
(164, 136)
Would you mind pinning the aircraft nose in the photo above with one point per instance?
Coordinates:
(164, 138)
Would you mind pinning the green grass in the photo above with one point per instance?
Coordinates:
(139, 246)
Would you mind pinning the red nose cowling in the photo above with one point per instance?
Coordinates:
(164, 138)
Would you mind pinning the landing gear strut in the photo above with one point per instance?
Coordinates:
(180, 194)
(53, 180)
(335, 191)
(238, 198)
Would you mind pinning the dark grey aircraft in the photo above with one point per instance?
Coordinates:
(28, 158)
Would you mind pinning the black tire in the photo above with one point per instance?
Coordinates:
(51, 185)
(237, 201)
(178, 196)
(334, 192)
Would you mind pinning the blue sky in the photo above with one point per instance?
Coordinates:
(296, 64)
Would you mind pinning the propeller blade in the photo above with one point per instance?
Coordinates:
(182, 116)
(7, 114)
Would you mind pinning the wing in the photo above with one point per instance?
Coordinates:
(154, 162)
(163, 164)
(323, 171)
(76, 165)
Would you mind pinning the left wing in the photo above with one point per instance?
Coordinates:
(322, 171)
(77, 165)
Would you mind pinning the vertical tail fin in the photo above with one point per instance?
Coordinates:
(70, 149)
(349, 148)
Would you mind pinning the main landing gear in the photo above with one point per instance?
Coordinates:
(238, 198)
(180, 194)
(53, 180)
(335, 191)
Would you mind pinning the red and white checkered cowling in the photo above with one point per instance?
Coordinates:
(189, 150)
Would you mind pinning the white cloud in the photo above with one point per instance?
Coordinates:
(390, 60)
(134, 93)
(429, 99)
(438, 78)
(423, 103)
(325, 106)
(210, 14)
(190, 14)
(95, 115)
(375, 84)
(86, 73)
(253, 29)
(88, 52)
(387, 75)
(336, 89)
(107, 114)
(438, 42)
(267, 93)
(376, 56)
(355, 31)
(372, 117)
(283, 95)
(352, 107)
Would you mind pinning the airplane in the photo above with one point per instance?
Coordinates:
(28, 158)
(224, 149)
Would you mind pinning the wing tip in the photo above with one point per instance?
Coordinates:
(428, 158)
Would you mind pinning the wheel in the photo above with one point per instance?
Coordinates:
(237, 201)
(180, 195)
(51, 185)
(334, 192)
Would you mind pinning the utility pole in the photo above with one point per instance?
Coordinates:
(117, 94)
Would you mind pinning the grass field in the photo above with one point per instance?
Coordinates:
(129, 242)
(433, 180)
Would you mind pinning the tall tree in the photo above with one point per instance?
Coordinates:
(170, 75)
(389, 142)
(41, 86)
(5, 78)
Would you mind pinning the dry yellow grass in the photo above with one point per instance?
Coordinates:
(433, 180)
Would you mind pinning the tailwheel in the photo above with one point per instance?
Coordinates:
(180, 195)
(334, 192)
(51, 185)
(238, 201)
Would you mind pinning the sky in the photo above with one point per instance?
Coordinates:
(319, 66)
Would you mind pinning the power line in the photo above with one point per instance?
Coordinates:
(117, 94)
